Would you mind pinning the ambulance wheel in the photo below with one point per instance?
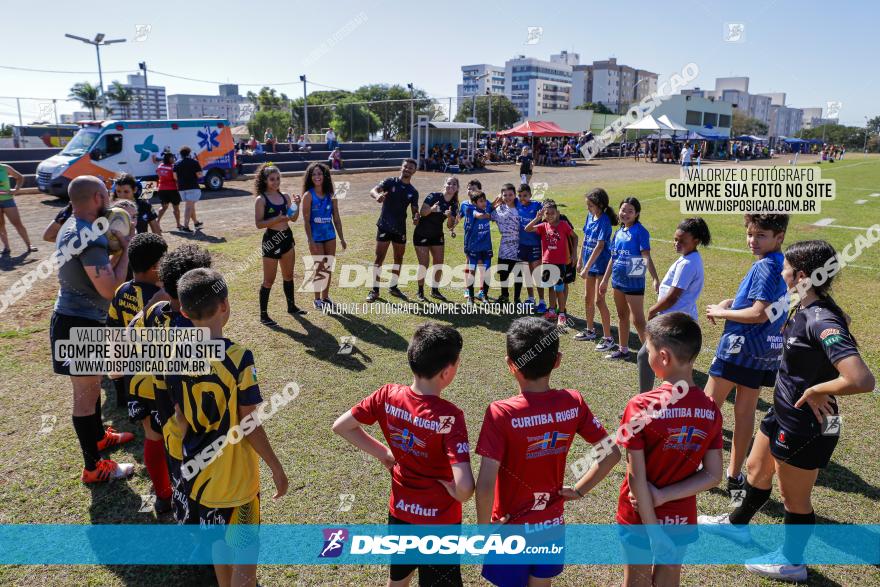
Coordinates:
(214, 181)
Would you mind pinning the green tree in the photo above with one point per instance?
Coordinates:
(874, 126)
(852, 137)
(353, 121)
(268, 99)
(5, 130)
(392, 107)
(321, 110)
(596, 108)
(123, 95)
(87, 95)
(504, 113)
(277, 120)
(744, 124)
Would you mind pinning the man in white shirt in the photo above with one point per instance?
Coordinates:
(331, 139)
(686, 155)
(304, 144)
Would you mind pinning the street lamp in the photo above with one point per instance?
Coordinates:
(302, 78)
(412, 109)
(98, 41)
(477, 78)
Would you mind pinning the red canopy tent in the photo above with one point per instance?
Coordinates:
(537, 128)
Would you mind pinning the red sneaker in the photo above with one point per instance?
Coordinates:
(113, 438)
(107, 470)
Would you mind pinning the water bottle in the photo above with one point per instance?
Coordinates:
(292, 209)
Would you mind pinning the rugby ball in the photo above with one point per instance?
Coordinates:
(119, 221)
(128, 206)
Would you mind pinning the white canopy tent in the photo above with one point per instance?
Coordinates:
(672, 124)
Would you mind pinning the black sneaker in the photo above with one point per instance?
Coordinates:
(185, 229)
(502, 299)
(421, 296)
(198, 224)
(264, 319)
(162, 506)
(372, 296)
(435, 293)
(395, 291)
(295, 310)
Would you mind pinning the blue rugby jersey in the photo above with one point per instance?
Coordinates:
(756, 346)
(628, 267)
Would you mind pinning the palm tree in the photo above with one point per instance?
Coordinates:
(87, 95)
(123, 95)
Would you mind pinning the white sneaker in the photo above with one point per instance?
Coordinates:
(319, 305)
(721, 525)
(775, 566)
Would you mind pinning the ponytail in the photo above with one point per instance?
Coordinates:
(599, 198)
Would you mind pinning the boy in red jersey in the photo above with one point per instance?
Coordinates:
(668, 433)
(524, 443)
(429, 455)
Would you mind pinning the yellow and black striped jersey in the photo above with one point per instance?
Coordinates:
(152, 385)
(130, 298)
(210, 403)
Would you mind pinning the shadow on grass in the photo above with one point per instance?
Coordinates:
(9, 263)
(323, 346)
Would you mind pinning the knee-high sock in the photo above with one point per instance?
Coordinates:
(754, 500)
(99, 419)
(264, 299)
(796, 538)
(288, 293)
(84, 426)
(121, 392)
(157, 467)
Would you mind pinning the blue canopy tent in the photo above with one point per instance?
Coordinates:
(797, 145)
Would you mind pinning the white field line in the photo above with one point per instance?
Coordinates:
(745, 252)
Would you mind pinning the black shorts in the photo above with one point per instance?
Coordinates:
(429, 575)
(429, 241)
(569, 275)
(169, 197)
(277, 242)
(59, 329)
(140, 408)
(753, 378)
(545, 274)
(810, 451)
(384, 236)
(184, 509)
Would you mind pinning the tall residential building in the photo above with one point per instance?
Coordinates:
(735, 91)
(613, 85)
(784, 121)
(536, 86)
(147, 103)
(225, 104)
(77, 116)
(479, 80)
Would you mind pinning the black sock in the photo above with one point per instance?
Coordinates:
(796, 538)
(422, 289)
(288, 293)
(99, 419)
(121, 393)
(754, 500)
(470, 289)
(517, 290)
(84, 426)
(264, 300)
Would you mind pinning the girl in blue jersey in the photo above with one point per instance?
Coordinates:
(320, 215)
(530, 245)
(748, 353)
(592, 263)
(630, 259)
(477, 216)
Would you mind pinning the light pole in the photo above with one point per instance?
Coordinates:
(865, 149)
(143, 67)
(412, 109)
(489, 95)
(98, 41)
(477, 78)
(302, 78)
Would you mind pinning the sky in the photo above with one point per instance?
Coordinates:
(814, 51)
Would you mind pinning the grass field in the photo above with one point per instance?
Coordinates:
(40, 471)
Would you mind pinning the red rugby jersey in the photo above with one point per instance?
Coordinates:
(530, 434)
(427, 435)
(675, 440)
